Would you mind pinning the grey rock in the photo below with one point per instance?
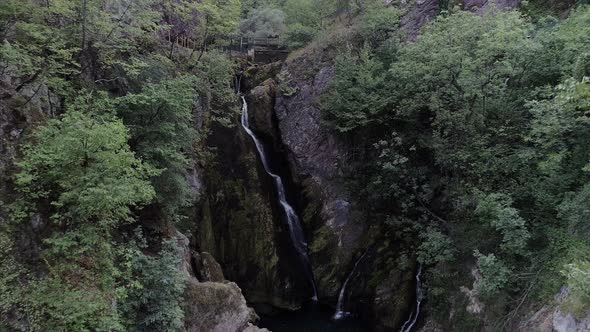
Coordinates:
(216, 307)
(480, 6)
(261, 101)
(252, 328)
(552, 318)
(316, 158)
(211, 270)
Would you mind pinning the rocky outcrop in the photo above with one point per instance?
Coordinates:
(479, 6)
(417, 14)
(216, 307)
(261, 101)
(211, 304)
(552, 318)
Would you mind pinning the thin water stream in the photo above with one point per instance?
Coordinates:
(340, 312)
(295, 231)
(409, 324)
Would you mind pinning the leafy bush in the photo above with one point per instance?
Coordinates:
(163, 133)
(435, 248)
(154, 302)
(85, 167)
(494, 274)
(356, 96)
(497, 211)
(578, 283)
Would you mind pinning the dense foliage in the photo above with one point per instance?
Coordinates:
(477, 130)
(474, 142)
(87, 232)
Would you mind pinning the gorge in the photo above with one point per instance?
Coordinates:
(294, 165)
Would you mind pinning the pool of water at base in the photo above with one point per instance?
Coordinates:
(312, 317)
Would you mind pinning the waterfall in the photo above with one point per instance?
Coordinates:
(340, 313)
(293, 222)
(409, 324)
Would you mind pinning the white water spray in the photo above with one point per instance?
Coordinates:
(409, 324)
(340, 313)
(295, 230)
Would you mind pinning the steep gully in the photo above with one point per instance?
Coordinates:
(298, 240)
(293, 222)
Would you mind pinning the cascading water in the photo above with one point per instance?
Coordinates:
(340, 313)
(409, 324)
(293, 223)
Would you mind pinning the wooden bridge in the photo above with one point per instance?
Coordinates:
(259, 50)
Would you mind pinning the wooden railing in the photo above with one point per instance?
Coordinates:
(256, 49)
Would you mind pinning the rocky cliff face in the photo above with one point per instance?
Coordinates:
(240, 222)
(317, 159)
(283, 109)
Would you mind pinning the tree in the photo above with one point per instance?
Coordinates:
(84, 166)
(81, 169)
(219, 18)
(263, 23)
(163, 133)
(496, 210)
(356, 96)
(494, 274)
(154, 300)
(467, 74)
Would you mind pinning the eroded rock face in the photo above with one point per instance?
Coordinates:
(240, 224)
(338, 228)
(316, 158)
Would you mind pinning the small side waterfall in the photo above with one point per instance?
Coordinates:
(409, 324)
(293, 222)
(340, 313)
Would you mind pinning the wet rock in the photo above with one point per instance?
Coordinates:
(388, 305)
(240, 224)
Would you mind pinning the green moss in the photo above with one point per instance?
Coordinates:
(322, 239)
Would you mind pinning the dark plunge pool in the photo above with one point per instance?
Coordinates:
(313, 317)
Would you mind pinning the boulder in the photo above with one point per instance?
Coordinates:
(261, 102)
(216, 307)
